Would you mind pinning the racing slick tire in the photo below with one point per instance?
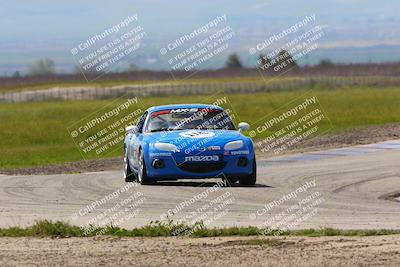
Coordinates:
(128, 174)
(230, 181)
(142, 177)
(250, 179)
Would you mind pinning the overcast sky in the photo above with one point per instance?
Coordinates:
(76, 19)
(34, 29)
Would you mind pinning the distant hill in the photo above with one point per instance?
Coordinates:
(356, 30)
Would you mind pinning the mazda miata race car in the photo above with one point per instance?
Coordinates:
(188, 141)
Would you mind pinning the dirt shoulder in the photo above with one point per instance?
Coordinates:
(221, 251)
(71, 167)
(343, 139)
(352, 137)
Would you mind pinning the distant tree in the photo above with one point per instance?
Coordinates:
(325, 62)
(133, 67)
(16, 74)
(286, 56)
(42, 67)
(79, 70)
(264, 62)
(233, 62)
(284, 61)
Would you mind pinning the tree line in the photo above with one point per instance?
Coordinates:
(283, 61)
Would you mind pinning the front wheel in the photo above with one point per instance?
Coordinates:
(128, 174)
(230, 181)
(142, 173)
(252, 178)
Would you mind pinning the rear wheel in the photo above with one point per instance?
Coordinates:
(142, 173)
(252, 178)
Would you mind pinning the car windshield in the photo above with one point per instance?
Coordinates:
(189, 118)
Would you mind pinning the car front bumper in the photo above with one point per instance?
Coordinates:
(175, 167)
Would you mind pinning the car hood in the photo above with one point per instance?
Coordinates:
(206, 137)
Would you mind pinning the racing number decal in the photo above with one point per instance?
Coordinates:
(197, 134)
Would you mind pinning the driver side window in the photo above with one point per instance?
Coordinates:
(141, 122)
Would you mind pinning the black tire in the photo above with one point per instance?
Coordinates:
(230, 181)
(252, 178)
(142, 177)
(128, 174)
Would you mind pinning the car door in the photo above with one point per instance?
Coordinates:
(136, 141)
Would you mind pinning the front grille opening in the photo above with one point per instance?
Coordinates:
(202, 167)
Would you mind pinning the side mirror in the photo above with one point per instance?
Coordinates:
(133, 129)
(243, 126)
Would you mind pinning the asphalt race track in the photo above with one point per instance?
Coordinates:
(352, 185)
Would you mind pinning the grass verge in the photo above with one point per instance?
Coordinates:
(167, 229)
(35, 134)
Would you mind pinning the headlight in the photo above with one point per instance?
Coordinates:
(166, 147)
(234, 145)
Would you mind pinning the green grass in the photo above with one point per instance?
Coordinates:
(165, 229)
(35, 133)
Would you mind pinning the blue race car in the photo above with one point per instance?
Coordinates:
(188, 141)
